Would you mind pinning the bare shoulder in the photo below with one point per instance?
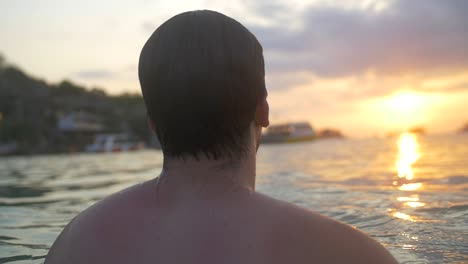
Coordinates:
(99, 228)
(305, 237)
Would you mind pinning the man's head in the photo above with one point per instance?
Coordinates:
(203, 81)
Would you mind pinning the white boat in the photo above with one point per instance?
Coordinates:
(114, 143)
(289, 132)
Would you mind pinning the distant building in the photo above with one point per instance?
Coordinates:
(78, 129)
(79, 122)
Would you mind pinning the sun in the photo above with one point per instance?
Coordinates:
(405, 102)
(401, 110)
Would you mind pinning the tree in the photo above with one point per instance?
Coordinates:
(2, 62)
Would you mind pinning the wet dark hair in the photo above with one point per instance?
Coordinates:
(202, 76)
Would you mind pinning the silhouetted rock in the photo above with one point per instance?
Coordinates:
(329, 133)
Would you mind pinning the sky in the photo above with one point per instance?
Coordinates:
(366, 67)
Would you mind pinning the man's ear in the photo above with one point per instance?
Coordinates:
(262, 113)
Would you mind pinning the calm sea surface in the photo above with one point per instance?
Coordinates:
(409, 192)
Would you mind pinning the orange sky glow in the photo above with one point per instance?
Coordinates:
(366, 67)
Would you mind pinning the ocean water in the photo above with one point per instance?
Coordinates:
(410, 192)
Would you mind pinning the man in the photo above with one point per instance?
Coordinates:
(202, 78)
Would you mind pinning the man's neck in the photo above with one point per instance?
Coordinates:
(204, 178)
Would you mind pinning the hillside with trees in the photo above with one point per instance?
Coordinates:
(30, 109)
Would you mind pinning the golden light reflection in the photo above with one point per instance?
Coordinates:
(403, 216)
(410, 186)
(407, 156)
(412, 201)
(414, 204)
(408, 246)
(413, 198)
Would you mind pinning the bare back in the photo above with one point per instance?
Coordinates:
(245, 227)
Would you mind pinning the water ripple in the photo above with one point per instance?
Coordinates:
(354, 181)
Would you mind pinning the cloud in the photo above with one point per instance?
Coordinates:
(148, 26)
(459, 87)
(453, 84)
(94, 74)
(406, 37)
(379, 46)
(116, 80)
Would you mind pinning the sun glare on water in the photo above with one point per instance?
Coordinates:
(408, 154)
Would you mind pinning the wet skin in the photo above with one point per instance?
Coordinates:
(145, 224)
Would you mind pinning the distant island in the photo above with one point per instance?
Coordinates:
(464, 129)
(417, 130)
(297, 132)
(40, 117)
(329, 133)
